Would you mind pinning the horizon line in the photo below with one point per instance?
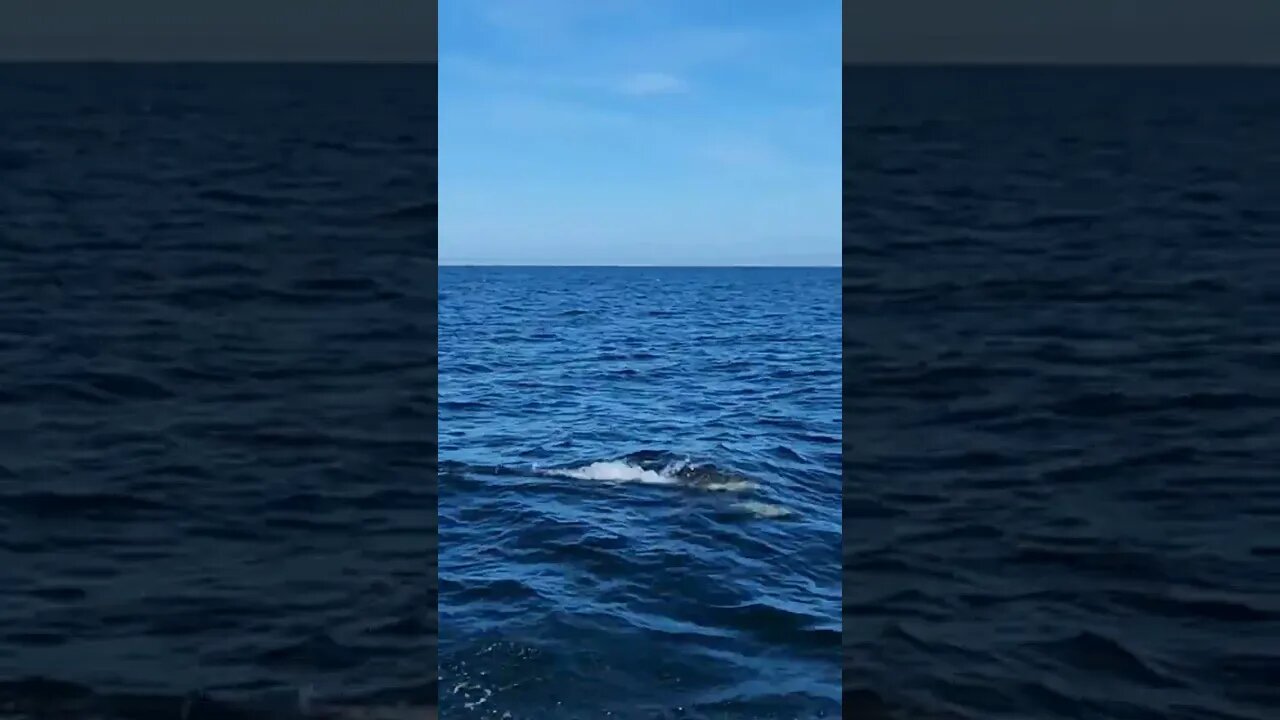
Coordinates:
(945, 63)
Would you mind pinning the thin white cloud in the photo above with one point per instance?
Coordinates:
(520, 78)
(653, 83)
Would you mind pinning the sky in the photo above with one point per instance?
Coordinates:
(1064, 31)
(219, 30)
(640, 132)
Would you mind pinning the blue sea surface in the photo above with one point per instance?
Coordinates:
(1062, 377)
(217, 419)
(639, 492)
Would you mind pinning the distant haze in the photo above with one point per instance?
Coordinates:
(1183, 32)
(219, 30)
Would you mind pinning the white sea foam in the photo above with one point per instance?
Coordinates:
(674, 473)
(729, 486)
(617, 471)
(763, 510)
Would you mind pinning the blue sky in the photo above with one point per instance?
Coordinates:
(640, 132)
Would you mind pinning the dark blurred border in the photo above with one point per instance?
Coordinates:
(331, 31)
(224, 31)
(1014, 32)
(1095, 32)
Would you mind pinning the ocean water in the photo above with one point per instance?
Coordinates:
(217, 420)
(1062, 377)
(639, 493)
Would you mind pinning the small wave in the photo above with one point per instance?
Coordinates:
(416, 212)
(66, 504)
(1095, 652)
(239, 198)
(644, 468)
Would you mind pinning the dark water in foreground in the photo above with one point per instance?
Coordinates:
(640, 489)
(1062, 372)
(217, 293)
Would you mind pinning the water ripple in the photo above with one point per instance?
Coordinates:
(216, 423)
(640, 488)
(1061, 395)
